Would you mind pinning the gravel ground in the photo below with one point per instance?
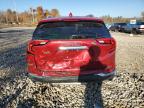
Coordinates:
(126, 90)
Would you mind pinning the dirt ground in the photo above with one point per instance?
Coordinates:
(126, 90)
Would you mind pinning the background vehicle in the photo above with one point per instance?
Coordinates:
(134, 28)
(117, 27)
(71, 49)
(108, 25)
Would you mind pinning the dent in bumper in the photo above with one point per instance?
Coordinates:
(82, 78)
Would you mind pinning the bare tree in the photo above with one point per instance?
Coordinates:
(47, 13)
(40, 13)
(25, 17)
(142, 14)
(9, 16)
(3, 17)
(54, 13)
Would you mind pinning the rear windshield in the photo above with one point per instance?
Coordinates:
(71, 30)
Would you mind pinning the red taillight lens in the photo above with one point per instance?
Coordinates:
(113, 41)
(39, 42)
(108, 41)
(35, 43)
(105, 40)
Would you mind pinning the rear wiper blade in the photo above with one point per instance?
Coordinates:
(82, 36)
(78, 37)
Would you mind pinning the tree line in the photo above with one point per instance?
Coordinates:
(31, 16)
(109, 19)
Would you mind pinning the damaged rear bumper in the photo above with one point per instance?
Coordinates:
(82, 78)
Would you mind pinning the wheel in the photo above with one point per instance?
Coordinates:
(116, 30)
(134, 31)
(122, 30)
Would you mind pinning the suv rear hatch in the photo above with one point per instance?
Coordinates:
(72, 48)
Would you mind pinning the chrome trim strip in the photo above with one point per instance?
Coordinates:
(106, 74)
(67, 79)
(99, 74)
(73, 48)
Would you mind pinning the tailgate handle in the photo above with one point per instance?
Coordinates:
(73, 48)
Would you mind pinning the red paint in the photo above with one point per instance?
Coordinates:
(48, 60)
(71, 19)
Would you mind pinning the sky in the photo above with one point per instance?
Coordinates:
(114, 8)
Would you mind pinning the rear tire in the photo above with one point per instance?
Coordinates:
(110, 79)
(134, 31)
(122, 30)
(116, 30)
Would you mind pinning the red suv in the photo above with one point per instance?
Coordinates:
(71, 49)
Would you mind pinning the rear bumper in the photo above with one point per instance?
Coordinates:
(82, 78)
(141, 30)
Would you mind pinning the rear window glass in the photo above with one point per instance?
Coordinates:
(70, 30)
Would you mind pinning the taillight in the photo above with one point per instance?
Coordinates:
(113, 41)
(108, 41)
(33, 43)
(141, 27)
(105, 41)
